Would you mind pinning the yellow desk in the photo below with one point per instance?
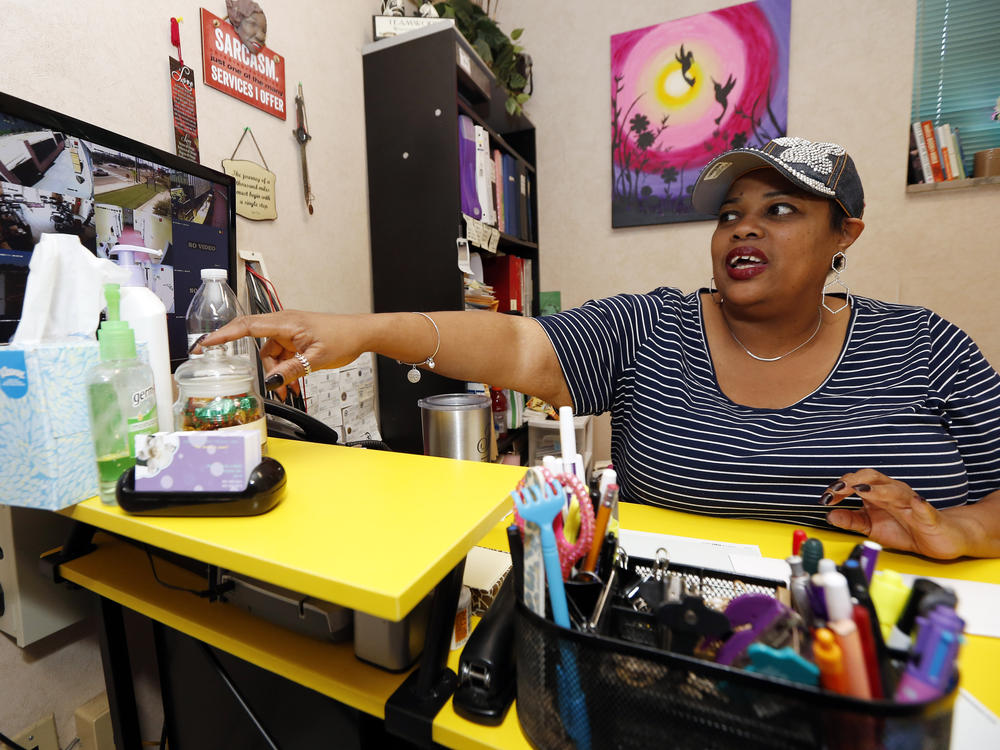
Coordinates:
(402, 492)
(368, 530)
(978, 660)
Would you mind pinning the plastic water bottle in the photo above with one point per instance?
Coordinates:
(121, 397)
(147, 315)
(214, 305)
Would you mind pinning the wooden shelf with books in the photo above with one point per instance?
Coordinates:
(426, 94)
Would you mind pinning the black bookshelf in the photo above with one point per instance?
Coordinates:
(415, 86)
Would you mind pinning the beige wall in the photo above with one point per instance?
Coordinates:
(106, 62)
(851, 66)
(851, 69)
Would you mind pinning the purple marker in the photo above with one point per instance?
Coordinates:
(932, 660)
(869, 556)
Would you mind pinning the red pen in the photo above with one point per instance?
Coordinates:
(798, 536)
(864, 624)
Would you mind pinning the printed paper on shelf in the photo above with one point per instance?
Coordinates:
(257, 79)
(933, 154)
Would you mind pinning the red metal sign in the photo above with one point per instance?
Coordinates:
(233, 69)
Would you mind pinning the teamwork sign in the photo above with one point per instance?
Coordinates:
(257, 79)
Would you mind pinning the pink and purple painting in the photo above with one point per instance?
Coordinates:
(686, 90)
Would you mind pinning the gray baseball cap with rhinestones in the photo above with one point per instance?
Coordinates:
(824, 169)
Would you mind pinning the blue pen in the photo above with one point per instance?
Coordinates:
(932, 663)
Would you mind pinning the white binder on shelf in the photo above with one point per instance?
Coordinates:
(484, 168)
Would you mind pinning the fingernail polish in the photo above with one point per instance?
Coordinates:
(826, 499)
(196, 342)
(274, 381)
(862, 487)
(837, 487)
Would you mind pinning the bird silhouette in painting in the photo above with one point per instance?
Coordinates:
(722, 95)
(686, 59)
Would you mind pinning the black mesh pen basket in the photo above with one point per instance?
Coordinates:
(585, 691)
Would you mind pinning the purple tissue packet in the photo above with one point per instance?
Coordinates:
(196, 461)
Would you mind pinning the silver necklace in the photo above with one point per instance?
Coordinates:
(819, 323)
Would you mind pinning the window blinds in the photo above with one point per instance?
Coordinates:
(956, 77)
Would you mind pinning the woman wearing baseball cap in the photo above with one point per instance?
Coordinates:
(773, 394)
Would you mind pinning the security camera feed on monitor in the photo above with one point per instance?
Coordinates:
(169, 223)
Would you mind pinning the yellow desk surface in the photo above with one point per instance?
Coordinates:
(370, 530)
(120, 572)
(978, 660)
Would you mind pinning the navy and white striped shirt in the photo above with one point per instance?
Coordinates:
(911, 396)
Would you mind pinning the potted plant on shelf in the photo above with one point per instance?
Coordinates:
(506, 58)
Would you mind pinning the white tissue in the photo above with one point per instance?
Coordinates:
(64, 294)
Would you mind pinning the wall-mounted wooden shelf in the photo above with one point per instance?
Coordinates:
(953, 184)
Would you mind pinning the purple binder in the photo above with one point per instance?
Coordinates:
(467, 167)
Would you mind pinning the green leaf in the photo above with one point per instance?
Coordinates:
(511, 105)
(517, 81)
(522, 97)
(484, 50)
(516, 33)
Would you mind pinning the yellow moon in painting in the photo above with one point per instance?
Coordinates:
(672, 90)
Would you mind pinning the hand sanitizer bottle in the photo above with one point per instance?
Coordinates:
(146, 315)
(121, 397)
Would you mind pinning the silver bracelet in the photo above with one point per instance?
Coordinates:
(414, 374)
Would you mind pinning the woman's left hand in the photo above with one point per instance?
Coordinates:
(895, 516)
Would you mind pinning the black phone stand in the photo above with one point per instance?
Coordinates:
(265, 490)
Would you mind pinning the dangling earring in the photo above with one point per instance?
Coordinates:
(712, 292)
(837, 264)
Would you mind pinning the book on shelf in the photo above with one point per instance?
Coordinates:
(505, 273)
(522, 201)
(959, 152)
(498, 184)
(933, 151)
(531, 237)
(914, 169)
(510, 194)
(484, 167)
(527, 288)
(917, 134)
(943, 135)
(467, 167)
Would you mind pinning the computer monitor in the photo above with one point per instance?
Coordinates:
(60, 174)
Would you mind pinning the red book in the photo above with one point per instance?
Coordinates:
(504, 273)
(933, 152)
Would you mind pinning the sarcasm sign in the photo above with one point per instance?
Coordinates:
(257, 79)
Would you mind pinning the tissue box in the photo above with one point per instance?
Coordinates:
(46, 453)
(196, 461)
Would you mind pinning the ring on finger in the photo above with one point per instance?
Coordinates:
(304, 362)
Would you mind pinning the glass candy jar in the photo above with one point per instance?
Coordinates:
(218, 391)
